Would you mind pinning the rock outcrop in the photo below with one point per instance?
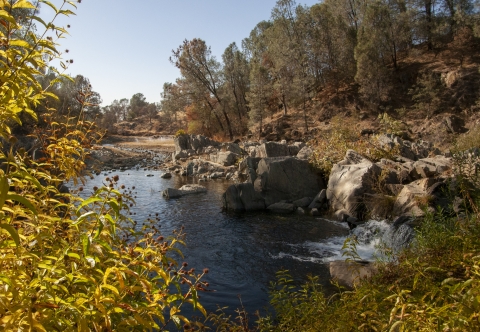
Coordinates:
(242, 197)
(286, 179)
(348, 183)
(417, 197)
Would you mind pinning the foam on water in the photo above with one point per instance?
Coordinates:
(300, 258)
(369, 235)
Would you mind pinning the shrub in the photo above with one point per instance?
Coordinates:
(180, 132)
(66, 263)
(469, 140)
(332, 146)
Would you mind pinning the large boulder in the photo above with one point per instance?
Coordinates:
(303, 202)
(196, 143)
(286, 178)
(431, 167)
(232, 147)
(224, 158)
(348, 183)
(454, 124)
(242, 197)
(272, 150)
(180, 155)
(305, 153)
(182, 142)
(248, 167)
(417, 197)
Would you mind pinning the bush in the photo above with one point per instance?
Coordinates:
(468, 141)
(66, 263)
(332, 146)
(180, 132)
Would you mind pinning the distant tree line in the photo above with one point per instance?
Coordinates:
(286, 61)
(301, 50)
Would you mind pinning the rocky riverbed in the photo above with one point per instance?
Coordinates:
(277, 177)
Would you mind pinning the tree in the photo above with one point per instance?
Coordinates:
(259, 95)
(289, 50)
(384, 32)
(202, 71)
(137, 103)
(173, 101)
(236, 81)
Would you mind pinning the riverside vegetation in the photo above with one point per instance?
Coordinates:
(66, 263)
(81, 264)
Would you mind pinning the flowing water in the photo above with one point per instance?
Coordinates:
(242, 251)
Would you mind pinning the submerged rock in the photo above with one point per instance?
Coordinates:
(282, 208)
(184, 190)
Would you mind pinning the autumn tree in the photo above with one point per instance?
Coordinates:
(201, 71)
(236, 83)
(259, 95)
(173, 100)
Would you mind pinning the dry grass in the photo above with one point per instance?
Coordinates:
(164, 143)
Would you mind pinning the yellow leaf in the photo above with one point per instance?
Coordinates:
(112, 288)
(23, 4)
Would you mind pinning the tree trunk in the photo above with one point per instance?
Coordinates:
(216, 115)
(218, 120)
(284, 105)
(227, 119)
(428, 13)
(305, 115)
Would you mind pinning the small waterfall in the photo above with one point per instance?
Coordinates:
(398, 237)
(372, 237)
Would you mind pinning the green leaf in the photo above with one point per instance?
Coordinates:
(38, 19)
(48, 3)
(112, 288)
(114, 205)
(6, 280)
(73, 255)
(24, 201)
(83, 217)
(88, 201)
(104, 244)
(4, 186)
(66, 12)
(85, 244)
(13, 233)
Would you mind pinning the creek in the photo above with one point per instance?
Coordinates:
(242, 251)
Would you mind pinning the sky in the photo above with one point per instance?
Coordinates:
(123, 47)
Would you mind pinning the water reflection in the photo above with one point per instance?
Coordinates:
(242, 251)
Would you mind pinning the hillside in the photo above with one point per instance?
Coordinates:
(434, 94)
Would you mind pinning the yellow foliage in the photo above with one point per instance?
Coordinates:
(64, 262)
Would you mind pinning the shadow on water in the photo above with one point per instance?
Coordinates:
(242, 251)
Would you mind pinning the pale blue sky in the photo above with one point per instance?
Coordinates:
(123, 47)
